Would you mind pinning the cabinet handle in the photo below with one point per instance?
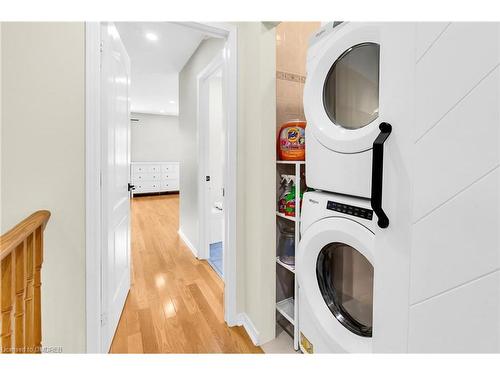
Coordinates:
(378, 172)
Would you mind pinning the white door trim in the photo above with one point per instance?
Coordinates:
(202, 91)
(93, 175)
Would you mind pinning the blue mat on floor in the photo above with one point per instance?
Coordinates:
(216, 257)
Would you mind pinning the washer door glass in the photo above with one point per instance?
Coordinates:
(351, 89)
(345, 278)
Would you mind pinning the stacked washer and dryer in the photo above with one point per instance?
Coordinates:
(335, 264)
(358, 279)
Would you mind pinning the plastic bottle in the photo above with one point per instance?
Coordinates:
(291, 141)
(290, 201)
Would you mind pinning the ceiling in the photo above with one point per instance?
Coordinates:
(158, 51)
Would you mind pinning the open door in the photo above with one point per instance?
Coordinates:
(212, 129)
(115, 122)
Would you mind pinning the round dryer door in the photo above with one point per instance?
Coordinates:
(341, 94)
(335, 269)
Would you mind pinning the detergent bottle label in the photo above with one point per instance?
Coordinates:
(292, 142)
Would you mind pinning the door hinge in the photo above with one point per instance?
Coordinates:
(104, 319)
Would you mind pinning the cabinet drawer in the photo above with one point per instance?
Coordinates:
(170, 176)
(154, 168)
(170, 185)
(166, 168)
(147, 186)
(146, 177)
(139, 169)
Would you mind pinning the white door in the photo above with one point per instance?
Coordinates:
(115, 122)
(211, 128)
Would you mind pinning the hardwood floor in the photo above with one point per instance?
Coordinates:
(175, 303)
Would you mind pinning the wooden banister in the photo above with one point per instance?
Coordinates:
(21, 257)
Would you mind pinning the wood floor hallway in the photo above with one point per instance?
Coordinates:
(175, 304)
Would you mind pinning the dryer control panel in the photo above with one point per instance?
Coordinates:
(347, 209)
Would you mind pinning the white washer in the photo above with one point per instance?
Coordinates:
(334, 266)
(341, 105)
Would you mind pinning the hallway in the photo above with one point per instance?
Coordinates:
(175, 303)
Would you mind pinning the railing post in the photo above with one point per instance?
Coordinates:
(20, 287)
(38, 285)
(6, 303)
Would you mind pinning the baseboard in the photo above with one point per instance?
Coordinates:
(245, 321)
(187, 242)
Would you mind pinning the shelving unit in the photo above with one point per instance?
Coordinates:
(286, 299)
(290, 162)
(284, 265)
(291, 218)
(287, 309)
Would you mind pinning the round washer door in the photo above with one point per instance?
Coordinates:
(335, 270)
(341, 93)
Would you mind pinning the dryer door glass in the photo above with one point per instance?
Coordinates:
(345, 278)
(350, 92)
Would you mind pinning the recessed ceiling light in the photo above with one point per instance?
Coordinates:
(172, 102)
(151, 36)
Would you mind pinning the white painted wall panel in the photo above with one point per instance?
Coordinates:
(464, 320)
(455, 289)
(459, 59)
(461, 149)
(428, 33)
(457, 243)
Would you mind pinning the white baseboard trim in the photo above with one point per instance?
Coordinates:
(187, 242)
(245, 321)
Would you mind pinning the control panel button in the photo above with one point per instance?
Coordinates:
(363, 213)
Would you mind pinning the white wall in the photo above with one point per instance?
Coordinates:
(43, 154)
(256, 234)
(455, 287)
(155, 138)
(188, 107)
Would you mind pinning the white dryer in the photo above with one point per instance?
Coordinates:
(335, 270)
(346, 99)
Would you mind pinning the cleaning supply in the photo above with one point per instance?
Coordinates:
(286, 200)
(281, 194)
(290, 202)
(291, 141)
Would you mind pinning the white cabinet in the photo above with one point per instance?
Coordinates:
(155, 176)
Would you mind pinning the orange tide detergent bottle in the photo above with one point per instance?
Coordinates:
(292, 141)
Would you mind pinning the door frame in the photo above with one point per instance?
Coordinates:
(203, 148)
(93, 201)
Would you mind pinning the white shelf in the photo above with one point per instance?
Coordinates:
(290, 162)
(291, 218)
(287, 309)
(284, 265)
